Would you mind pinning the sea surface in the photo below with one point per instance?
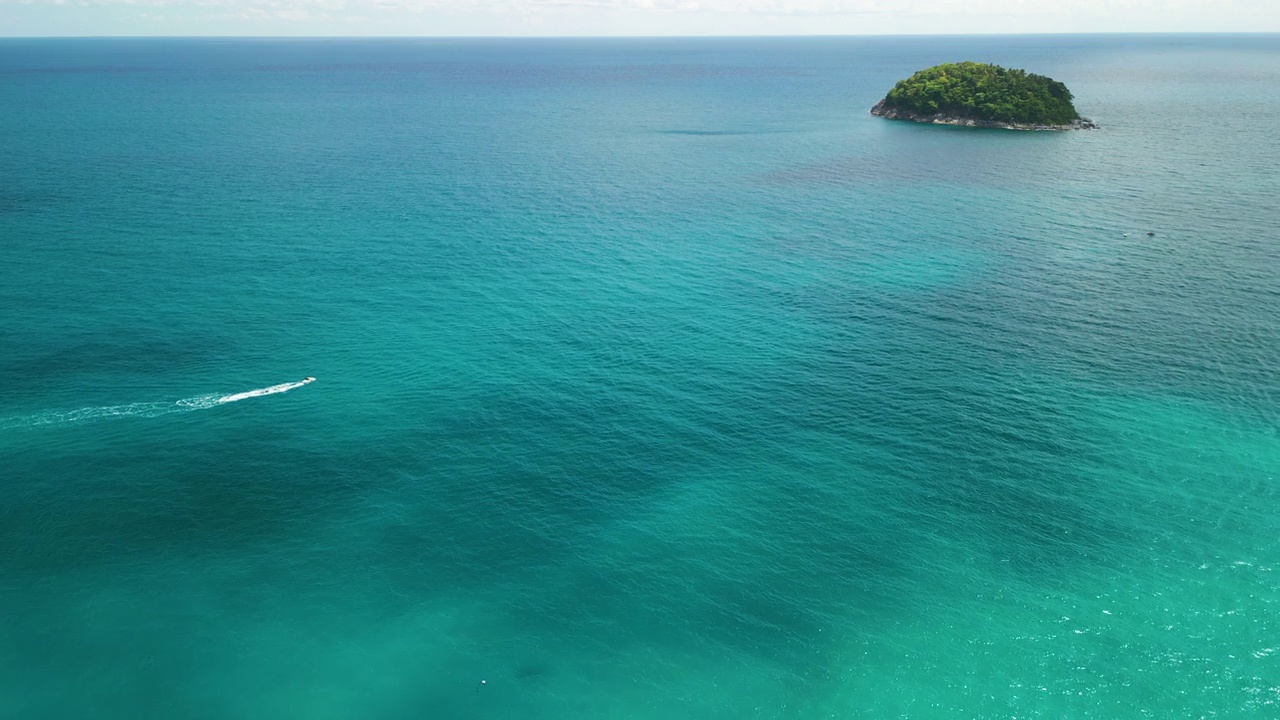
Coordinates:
(654, 379)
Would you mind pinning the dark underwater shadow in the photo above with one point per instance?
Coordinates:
(718, 133)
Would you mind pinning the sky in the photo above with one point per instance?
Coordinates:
(627, 17)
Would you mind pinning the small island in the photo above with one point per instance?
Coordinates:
(975, 94)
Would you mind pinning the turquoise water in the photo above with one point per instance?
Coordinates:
(655, 379)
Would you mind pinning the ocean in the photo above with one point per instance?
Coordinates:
(654, 378)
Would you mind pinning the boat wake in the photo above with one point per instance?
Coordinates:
(282, 387)
(144, 409)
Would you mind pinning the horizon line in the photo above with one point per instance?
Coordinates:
(1152, 33)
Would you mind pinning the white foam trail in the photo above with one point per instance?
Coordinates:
(283, 387)
(143, 409)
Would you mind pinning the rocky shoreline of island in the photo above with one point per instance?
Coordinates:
(893, 113)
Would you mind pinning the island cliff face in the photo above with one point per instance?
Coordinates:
(981, 95)
(893, 113)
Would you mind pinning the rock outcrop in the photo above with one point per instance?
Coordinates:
(892, 113)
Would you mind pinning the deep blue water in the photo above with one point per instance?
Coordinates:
(655, 379)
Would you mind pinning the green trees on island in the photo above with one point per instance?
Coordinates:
(981, 91)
